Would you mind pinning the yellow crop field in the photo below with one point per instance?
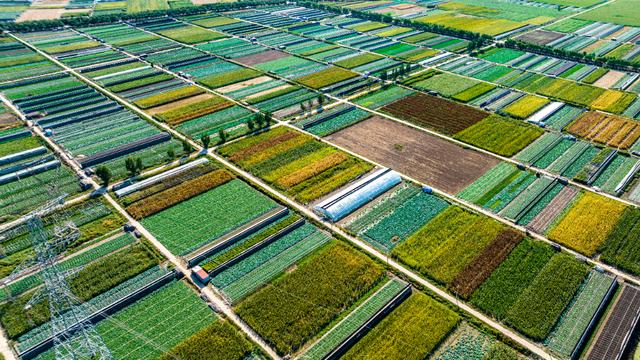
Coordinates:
(588, 223)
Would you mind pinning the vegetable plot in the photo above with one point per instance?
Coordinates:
(300, 304)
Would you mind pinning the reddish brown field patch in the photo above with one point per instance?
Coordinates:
(439, 114)
(261, 57)
(612, 130)
(540, 37)
(474, 274)
(435, 161)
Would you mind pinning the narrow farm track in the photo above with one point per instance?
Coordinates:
(219, 302)
(178, 263)
(524, 342)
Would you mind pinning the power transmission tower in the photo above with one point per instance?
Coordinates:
(74, 336)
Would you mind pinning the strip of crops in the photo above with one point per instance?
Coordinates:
(156, 323)
(326, 77)
(588, 223)
(354, 320)
(473, 92)
(448, 243)
(238, 247)
(291, 311)
(525, 106)
(478, 270)
(293, 162)
(612, 130)
(500, 135)
(411, 331)
(501, 290)
(218, 341)
(167, 97)
(167, 183)
(370, 215)
(274, 267)
(579, 313)
(539, 307)
(190, 34)
(181, 192)
(382, 97)
(338, 123)
(190, 224)
(181, 114)
(236, 271)
(621, 247)
(229, 77)
(442, 115)
(489, 180)
(396, 226)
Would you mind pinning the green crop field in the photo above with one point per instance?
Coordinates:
(353, 176)
(447, 243)
(500, 135)
(623, 12)
(301, 303)
(411, 331)
(192, 223)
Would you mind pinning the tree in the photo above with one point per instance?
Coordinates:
(130, 165)
(320, 100)
(104, 174)
(251, 125)
(223, 136)
(267, 118)
(139, 165)
(206, 140)
(186, 146)
(258, 119)
(171, 154)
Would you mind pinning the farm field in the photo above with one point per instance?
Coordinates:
(255, 180)
(620, 12)
(437, 162)
(295, 162)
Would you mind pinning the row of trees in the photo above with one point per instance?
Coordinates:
(583, 57)
(476, 40)
(79, 21)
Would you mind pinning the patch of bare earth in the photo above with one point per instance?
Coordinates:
(427, 158)
(540, 37)
(609, 79)
(40, 14)
(243, 84)
(261, 57)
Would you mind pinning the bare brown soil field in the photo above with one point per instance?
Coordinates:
(261, 57)
(430, 159)
(540, 37)
(612, 130)
(436, 113)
